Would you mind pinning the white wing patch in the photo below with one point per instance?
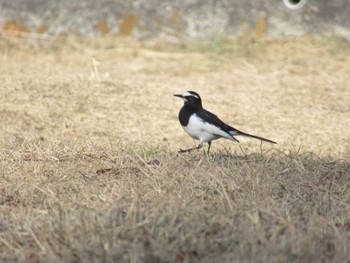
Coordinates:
(233, 133)
(204, 131)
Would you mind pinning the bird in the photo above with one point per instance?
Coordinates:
(205, 126)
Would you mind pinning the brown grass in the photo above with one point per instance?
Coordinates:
(89, 169)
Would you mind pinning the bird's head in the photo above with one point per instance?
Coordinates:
(190, 98)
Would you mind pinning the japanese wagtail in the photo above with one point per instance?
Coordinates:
(203, 125)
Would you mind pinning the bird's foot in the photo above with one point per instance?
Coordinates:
(186, 151)
(191, 149)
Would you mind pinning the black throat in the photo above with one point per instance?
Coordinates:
(186, 112)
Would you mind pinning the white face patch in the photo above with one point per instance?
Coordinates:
(187, 94)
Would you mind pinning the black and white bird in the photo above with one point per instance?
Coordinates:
(203, 125)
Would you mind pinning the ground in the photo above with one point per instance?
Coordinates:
(89, 163)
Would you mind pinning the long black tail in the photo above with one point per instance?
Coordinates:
(236, 133)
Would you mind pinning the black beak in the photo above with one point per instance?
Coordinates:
(178, 95)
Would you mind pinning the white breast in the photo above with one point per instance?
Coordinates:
(204, 131)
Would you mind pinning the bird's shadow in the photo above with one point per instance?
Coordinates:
(273, 158)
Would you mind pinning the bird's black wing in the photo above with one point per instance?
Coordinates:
(211, 118)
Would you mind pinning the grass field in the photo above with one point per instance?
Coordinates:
(89, 169)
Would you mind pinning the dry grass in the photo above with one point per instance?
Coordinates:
(89, 170)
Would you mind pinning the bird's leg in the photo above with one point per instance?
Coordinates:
(209, 147)
(200, 145)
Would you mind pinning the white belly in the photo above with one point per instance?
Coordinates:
(200, 135)
(204, 131)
